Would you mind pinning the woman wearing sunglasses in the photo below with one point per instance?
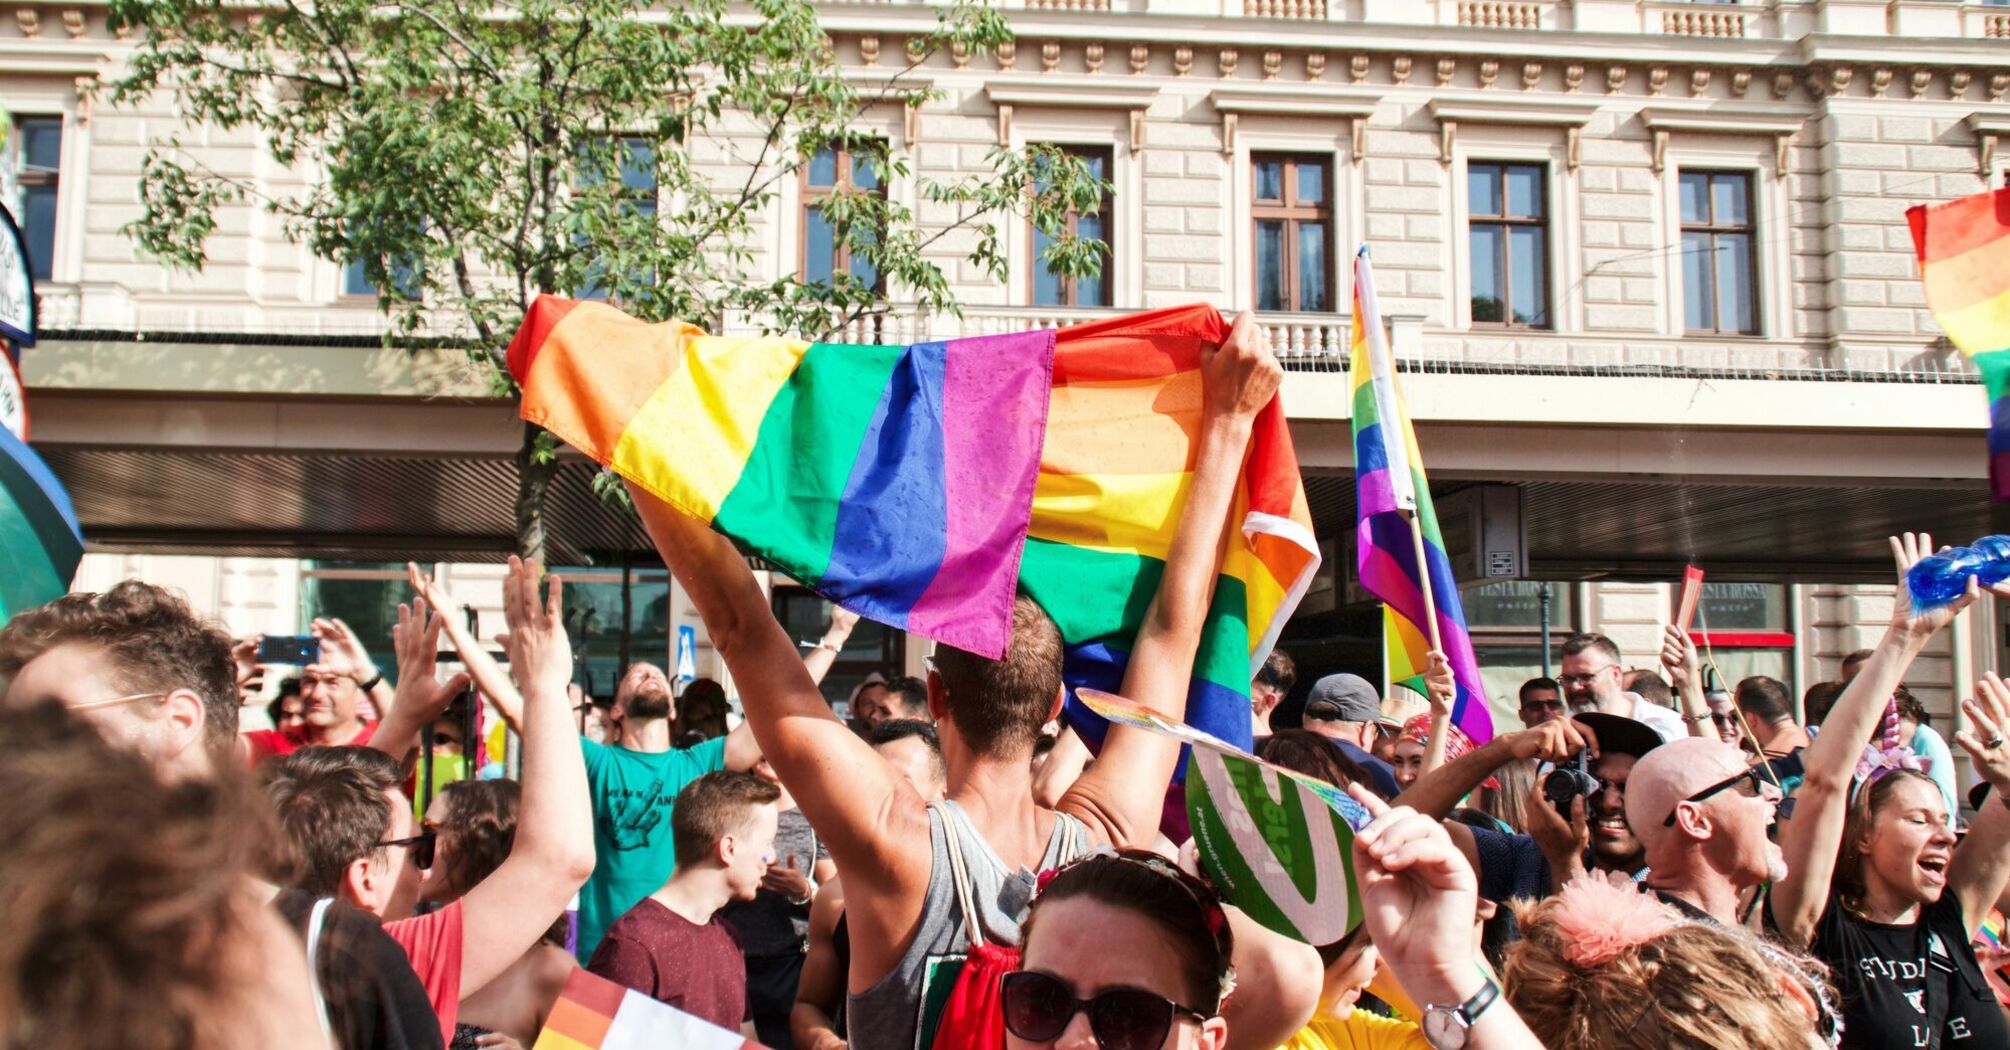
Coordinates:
(1876, 886)
(1121, 952)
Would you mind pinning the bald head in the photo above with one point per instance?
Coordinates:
(1670, 773)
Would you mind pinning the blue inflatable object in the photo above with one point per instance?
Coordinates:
(1938, 579)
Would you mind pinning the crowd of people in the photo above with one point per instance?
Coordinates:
(1642, 863)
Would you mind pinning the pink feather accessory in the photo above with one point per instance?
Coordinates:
(1598, 921)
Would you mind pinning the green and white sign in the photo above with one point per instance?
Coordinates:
(1275, 843)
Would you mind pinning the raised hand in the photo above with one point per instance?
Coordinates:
(784, 879)
(421, 696)
(1906, 550)
(341, 653)
(1562, 842)
(1678, 655)
(1419, 897)
(1439, 685)
(540, 653)
(1552, 741)
(1242, 375)
(1984, 739)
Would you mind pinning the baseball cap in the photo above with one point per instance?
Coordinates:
(1620, 735)
(1343, 698)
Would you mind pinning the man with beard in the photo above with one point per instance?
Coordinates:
(1622, 743)
(1701, 813)
(634, 783)
(1592, 681)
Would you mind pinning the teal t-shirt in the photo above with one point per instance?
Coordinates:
(632, 795)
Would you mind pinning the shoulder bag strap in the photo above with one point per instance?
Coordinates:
(315, 920)
(959, 873)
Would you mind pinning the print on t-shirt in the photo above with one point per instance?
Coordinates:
(632, 818)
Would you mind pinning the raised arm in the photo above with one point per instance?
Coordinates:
(1121, 797)
(1810, 840)
(489, 677)
(1063, 767)
(421, 697)
(818, 660)
(504, 914)
(1678, 655)
(868, 814)
(1442, 690)
(1437, 792)
(821, 988)
(342, 653)
(1981, 862)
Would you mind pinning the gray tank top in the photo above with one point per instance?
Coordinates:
(887, 1016)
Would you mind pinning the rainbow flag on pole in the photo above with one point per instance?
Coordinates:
(919, 485)
(1964, 261)
(1390, 487)
(594, 1013)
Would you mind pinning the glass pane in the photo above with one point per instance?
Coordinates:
(1090, 228)
(369, 607)
(1089, 290)
(1311, 183)
(1734, 281)
(1524, 191)
(1728, 192)
(1694, 191)
(42, 143)
(823, 169)
(39, 228)
(1699, 301)
(1529, 284)
(1270, 265)
(1483, 189)
(859, 265)
(1735, 665)
(638, 165)
(1488, 290)
(1270, 180)
(1097, 164)
(1312, 266)
(1046, 286)
(819, 246)
(1515, 603)
(1743, 607)
(863, 174)
(355, 282)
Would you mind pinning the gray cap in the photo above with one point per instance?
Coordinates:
(1343, 698)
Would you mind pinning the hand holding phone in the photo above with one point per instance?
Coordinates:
(296, 649)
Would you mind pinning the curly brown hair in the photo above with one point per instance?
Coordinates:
(476, 833)
(153, 639)
(124, 895)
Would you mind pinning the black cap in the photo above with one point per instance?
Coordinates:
(1619, 735)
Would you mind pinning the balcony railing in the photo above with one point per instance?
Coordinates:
(1504, 14)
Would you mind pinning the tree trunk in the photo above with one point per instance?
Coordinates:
(533, 480)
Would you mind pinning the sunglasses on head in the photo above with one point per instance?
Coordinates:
(1749, 774)
(1039, 1006)
(421, 845)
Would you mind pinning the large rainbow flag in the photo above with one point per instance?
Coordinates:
(1390, 488)
(919, 485)
(594, 1013)
(1964, 261)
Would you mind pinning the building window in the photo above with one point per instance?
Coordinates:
(615, 619)
(1504, 619)
(405, 283)
(636, 162)
(364, 595)
(1508, 219)
(1720, 289)
(38, 164)
(872, 648)
(1743, 629)
(1052, 289)
(1292, 204)
(827, 249)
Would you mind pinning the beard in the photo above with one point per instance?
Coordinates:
(650, 700)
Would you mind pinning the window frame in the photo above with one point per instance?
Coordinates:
(1289, 210)
(26, 176)
(810, 195)
(1750, 230)
(651, 194)
(1070, 292)
(1503, 262)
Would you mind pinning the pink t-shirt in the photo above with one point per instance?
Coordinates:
(433, 943)
(273, 743)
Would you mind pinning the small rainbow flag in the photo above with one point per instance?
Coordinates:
(920, 485)
(1390, 488)
(594, 1013)
(1964, 261)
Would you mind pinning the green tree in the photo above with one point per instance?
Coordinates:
(469, 156)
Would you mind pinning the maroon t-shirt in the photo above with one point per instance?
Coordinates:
(697, 969)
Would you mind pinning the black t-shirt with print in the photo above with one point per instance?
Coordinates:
(1911, 987)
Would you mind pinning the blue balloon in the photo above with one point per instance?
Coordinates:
(1938, 579)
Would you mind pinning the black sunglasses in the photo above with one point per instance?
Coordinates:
(422, 847)
(1039, 1006)
(1751, 774)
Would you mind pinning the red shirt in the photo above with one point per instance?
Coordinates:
(433, 943)
(697, 969)
(273, 743)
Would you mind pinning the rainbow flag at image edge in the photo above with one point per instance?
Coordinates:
(594, 1013)
(919, 485)
(1964, 263)
(1390, 485)
(40, 541)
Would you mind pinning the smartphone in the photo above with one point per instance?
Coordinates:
(297, 649)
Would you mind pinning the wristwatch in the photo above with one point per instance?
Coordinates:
(1445, 1027)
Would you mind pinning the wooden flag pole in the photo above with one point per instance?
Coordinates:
(1424, 578)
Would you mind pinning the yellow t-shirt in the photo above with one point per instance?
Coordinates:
(1360, 1031)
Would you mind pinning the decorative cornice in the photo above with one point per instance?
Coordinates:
(1352, 107)
(1990, 127)
(1721, 120)
(1518, 112)
(1070, 93)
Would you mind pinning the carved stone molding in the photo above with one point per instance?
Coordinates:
(1070, 93)
(1880, 82)
(1531, 75)
(1092, 56)
(1719, 120)
(1007, 55)
(1741, 82)
(1357, 68)
(1399, 69)
(1141, 57)
(1448, 67)
(1922, 80)
(1615, 78)
(1315, 65)
(868, 49)
(1273, 64)
(30, 21)
(1323, 104)
(1050, 56)
(1989, 127)
(1224, 63)
(1783, 85)
(1657, 80)
(1490, 71)
(1570, 116)
(1699, 82)
(1573, 77)
(1182, 60)
(73, 24)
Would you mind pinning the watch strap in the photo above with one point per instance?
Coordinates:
(1470, 1010)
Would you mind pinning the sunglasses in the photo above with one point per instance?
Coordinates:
(1038, 1008)
(1749, 775)
(421, 846)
